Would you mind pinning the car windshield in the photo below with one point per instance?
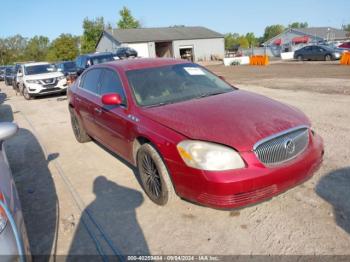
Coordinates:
(39, 69)
(69, 66)
(102, 59)
(175, 83)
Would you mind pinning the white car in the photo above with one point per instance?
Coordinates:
(35, 79)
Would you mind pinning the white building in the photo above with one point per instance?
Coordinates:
(193, 43)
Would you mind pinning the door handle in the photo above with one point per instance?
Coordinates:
(98, 110)
(78, 99)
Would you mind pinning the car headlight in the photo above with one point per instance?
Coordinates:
(33, 81)
(209, 156)
(61, 77)
(3, 217)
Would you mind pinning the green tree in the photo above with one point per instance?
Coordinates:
(346, 28)
(252, 40)
(272, 30)
(298, 25)
(92, 30)
(63, 48)
(243, 42)
(37, 48)
(12, 49)
(126, 20)
(234, 41)
(3, 52)
(231, 41)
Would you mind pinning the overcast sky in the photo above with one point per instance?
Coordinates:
(51, 18)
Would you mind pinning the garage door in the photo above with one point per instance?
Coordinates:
(142, 49)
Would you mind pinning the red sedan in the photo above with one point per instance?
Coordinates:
(193, 135)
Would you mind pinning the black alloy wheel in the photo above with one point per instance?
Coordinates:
(154, 176)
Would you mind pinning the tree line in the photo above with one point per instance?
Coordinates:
(234, 40)
(63, 48)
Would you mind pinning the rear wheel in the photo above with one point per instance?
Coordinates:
(328, 58)
(78, 128)
(154, 176)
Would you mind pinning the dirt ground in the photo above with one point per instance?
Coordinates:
(321, 77)
(77, 197)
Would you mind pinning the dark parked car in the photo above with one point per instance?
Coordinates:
(67, 67)
(317, 52)
(85, 61)
(125, 52)
(192, 134)
(2, 73)
(14, 245)
(9, 75)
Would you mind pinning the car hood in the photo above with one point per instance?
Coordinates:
(43, 76)
(238, 119)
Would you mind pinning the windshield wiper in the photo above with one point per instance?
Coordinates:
(160, 104)
(210, 94)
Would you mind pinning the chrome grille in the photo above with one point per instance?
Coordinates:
(282, 147)
(48, 81)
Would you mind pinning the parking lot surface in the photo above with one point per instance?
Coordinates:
(81, 199)
(320, 77)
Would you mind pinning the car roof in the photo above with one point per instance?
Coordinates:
(64, 62)
(36, 63)
(98, 54)
(142, 63)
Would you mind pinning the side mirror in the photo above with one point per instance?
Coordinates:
(112, 99)
(20, 74)
(7, 130)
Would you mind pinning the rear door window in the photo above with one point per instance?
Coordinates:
(308, 48)
(91, 80)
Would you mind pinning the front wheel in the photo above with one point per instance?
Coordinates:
(26, 94)
(154, 176)
(328, 58)
(300, 58)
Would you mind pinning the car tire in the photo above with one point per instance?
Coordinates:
(328, 58)
(300, 58)
(26, 94)
(21, 89)
(78, 128)
(154, 176)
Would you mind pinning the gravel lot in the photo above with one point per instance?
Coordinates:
(320, 77)
(70, 191)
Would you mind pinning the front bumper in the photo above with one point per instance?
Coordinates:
(38, 89)
(241, 187)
